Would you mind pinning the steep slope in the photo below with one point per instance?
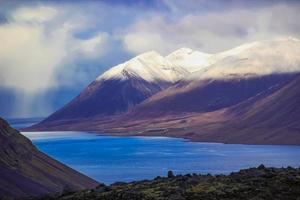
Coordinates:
(271, 117)
(122, 87)
(131, 83)
(25, 171)
(242, 73)
(274, 119)
(233, 77)
(205, 96)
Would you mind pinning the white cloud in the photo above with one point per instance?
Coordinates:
(93, 47)
(39, 14)
(211, 31)
(142, 41)
(39, 52)
(31, 53)
(28, 59)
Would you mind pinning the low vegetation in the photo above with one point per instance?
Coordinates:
(249, 184)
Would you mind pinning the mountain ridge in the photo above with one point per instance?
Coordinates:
(235, 76)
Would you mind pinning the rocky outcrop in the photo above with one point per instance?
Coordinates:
(248, 184)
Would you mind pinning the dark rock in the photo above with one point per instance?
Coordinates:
(261, 167)
(250, 184)
(170, 174)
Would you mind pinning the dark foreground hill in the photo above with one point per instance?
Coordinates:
(254, 183)
(25, 171)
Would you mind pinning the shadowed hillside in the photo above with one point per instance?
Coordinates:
(108, 97)
(206, 96)
(25, 171)
(274, 119)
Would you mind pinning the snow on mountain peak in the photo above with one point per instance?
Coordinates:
(149, 66)
(183, 50)
(189, 59)
(290, 38)
(255, 59)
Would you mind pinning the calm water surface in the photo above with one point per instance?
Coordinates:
(109, 159)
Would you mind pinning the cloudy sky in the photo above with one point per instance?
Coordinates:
(50, 50)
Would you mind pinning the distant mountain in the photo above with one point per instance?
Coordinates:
(253, 59)
(238, 74)
(270, 117)
(122, 87)
(207, 85)
(25, 171)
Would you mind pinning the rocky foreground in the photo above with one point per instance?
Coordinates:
(254, 183)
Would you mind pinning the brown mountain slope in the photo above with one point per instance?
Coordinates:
(183, 98)
(272, 117)
(206, 95)
(25, 171)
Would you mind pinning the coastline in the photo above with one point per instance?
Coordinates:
(179, 136)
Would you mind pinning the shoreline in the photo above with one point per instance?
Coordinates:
(129, 134)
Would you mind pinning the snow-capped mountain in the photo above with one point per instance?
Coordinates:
(254, 59)
(191, 60)
(122, 87)
(148, 66)
(185, 81)
(238, 74)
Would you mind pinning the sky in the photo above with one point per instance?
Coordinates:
(51, 50)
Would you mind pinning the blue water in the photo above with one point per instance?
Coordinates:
(110, 159)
